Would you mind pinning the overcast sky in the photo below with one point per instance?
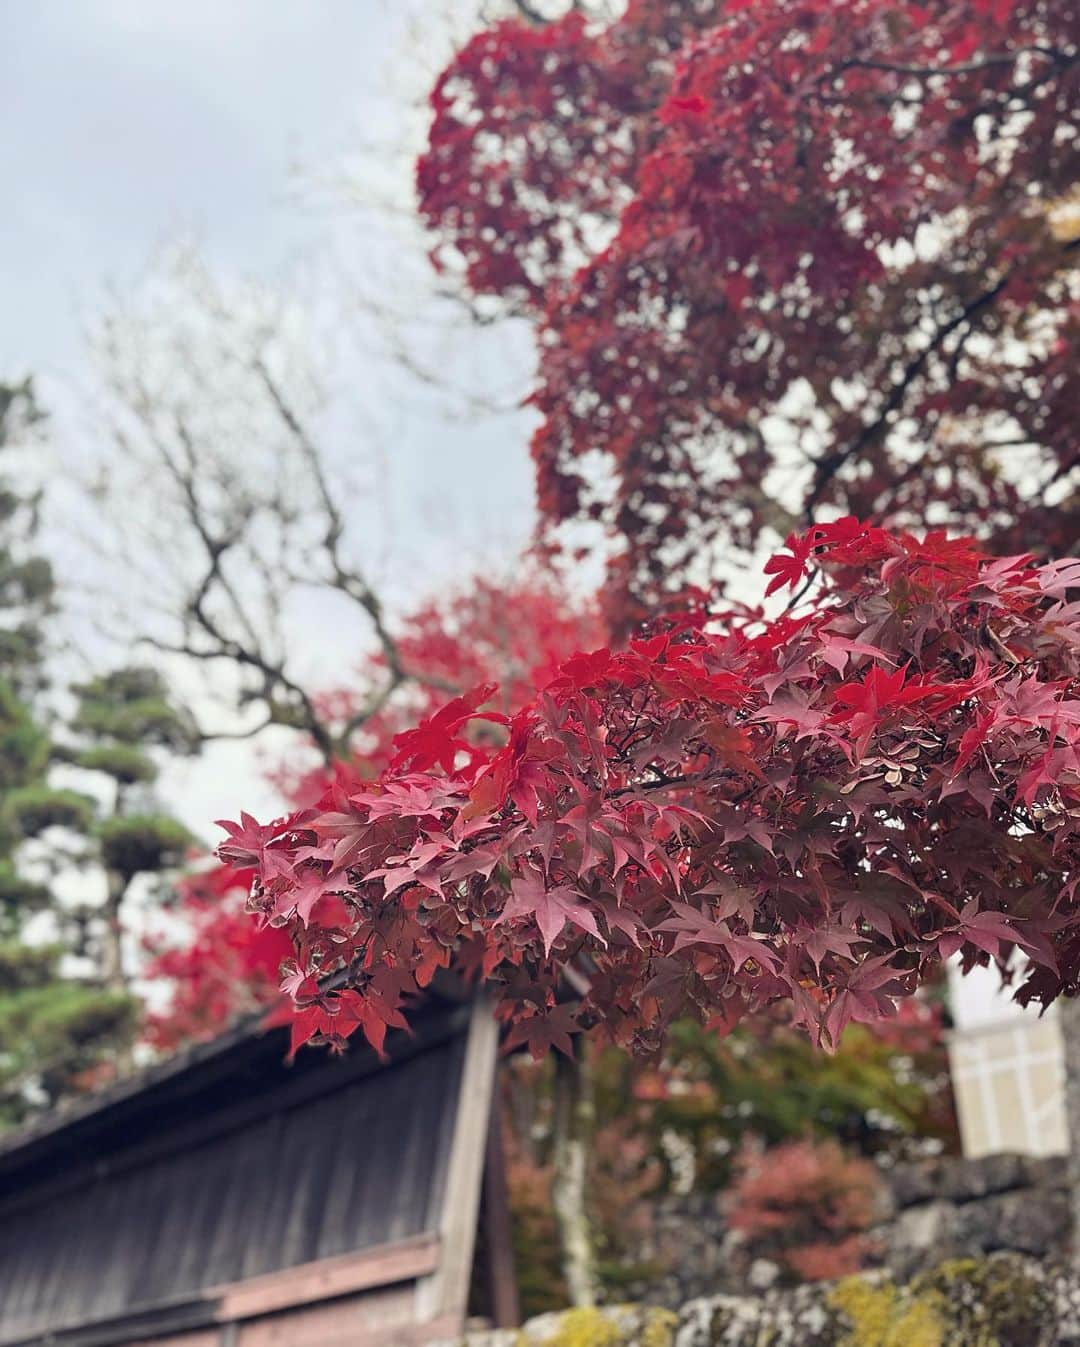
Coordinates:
(128, 122)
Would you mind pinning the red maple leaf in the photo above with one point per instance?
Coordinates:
(435, 742)
(543, 1031)
(551, 909)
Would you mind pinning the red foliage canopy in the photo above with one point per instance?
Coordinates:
(783, 255)
(730, 813)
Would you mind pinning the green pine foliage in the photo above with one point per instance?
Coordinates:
(57, 1033)
(142, 843)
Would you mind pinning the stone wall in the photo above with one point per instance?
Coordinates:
(955, 1208)
(931, 1210)
(1001, 1301)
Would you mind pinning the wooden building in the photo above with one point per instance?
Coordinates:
(226, 1199)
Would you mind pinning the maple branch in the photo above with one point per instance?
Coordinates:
(831, 464)
(963, 68)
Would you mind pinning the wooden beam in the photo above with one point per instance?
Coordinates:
(404, 1260)
(505, 1304)
(444, 1294)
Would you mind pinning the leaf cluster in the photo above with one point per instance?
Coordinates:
(810, 812)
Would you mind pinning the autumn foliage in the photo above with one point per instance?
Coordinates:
(783, 256)
(734, 812)
(807, 1206)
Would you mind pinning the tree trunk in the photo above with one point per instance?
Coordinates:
(1070, 1033)
(113, 973)
(573, 1125)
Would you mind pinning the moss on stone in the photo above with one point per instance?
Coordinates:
(967, 1302)
(585, 1328)
(613, 1326)
(990, 1302)
(881, 1315)
(1004, 1300)
(659, 1328)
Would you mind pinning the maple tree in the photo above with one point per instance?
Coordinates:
(784, 257)
(734, 812)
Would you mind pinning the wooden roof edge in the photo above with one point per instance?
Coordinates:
(73, 1111)
(127, 1094)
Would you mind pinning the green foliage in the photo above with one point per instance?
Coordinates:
(126, 764)
(25, 582)
(24, 745)
(537, 1257)
(20, 897)
(766, 1082)
(137, 843)
(131, 706)
(19, 410)
(32, 809)
(52, 1030)
(22, 647)
(56, 1033)
(26, 966)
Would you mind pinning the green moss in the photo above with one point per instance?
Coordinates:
(615, 1326)
(989, 1302)
(880, 1315)
(659, 1328)
(967, 1302)
(585, 1328)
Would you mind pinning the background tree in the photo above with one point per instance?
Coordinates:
(784, 258)
(120, 719)
(216, 399)
(56, 1030)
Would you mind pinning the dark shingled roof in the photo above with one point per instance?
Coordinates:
(222, 1165)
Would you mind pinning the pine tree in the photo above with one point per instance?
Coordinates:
(56, 1031)
(121, 719)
